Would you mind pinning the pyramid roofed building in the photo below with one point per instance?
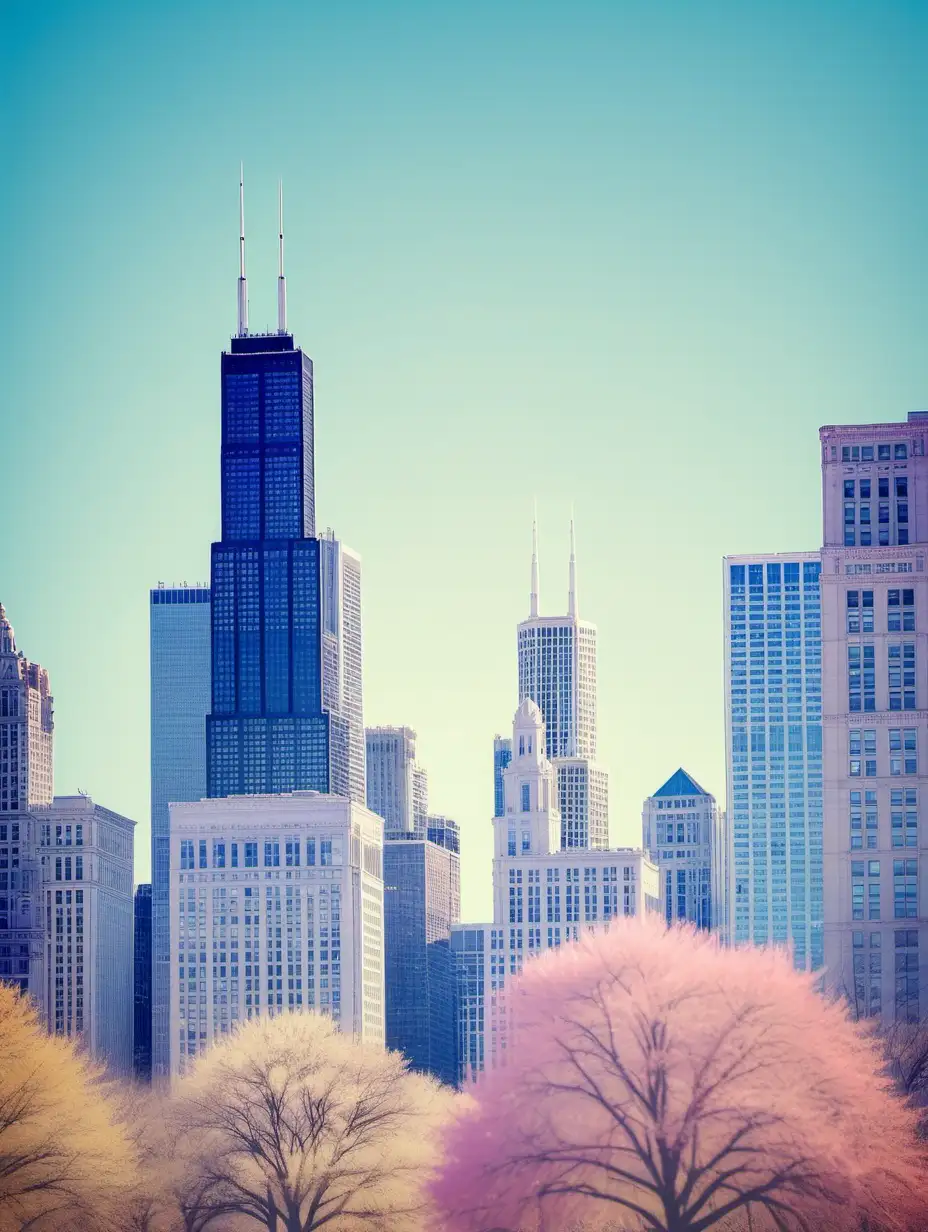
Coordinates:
(681, 784)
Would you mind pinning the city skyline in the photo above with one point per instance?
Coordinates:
(701, 293)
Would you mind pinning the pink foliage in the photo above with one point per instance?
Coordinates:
(657, 1080)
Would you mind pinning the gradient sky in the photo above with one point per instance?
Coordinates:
(626, 256)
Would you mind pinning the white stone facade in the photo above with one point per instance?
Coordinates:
(543, 895)
(276, 905)
(681, 831)
(875, 656)
(397, 787)
(88, 987)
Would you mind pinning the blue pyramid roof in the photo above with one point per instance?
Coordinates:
(681, 784)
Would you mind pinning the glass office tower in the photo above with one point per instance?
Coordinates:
(286, 611)
(773, 716)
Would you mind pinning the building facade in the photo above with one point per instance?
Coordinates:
(557, 671)
(422, 901)
(543, 895)
(502, 756)
(89, 991)
(773, 739)
(875, 651)
(142, 976)
(286, 712)
(276, 905)
(397, 786)
(681, 831)
(26, 780)
(179, 630)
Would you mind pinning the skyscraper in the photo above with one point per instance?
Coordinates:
(681, 832)
(286, 613)
(502, 756)
(557, 670)
(142, 975)
(87, 861)
(397, 786)
(26, 766)
(773, 737)
(875, 621)
(422, 901)
(179, 620)
(289, 890)
(543, 895)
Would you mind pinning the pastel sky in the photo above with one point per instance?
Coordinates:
(622, 255)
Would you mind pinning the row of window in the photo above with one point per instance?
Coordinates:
(864, 819)
(900, 611)
(245, 855)
(865, 453)
(861, 676)
(905, 889)
(903, 751)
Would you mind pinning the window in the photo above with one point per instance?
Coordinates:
(292, 853)
(202, 853)
(849, 489)
(526, 842)
(905, 889)
(882, 452)
(906, 974)
(900, 452)
(310, 852)
(251, 855)
(219, 855)
(900, 611)
(526, 798)
(325, 852)
(272, 854)
(884, 488)
(904, 817)
(857, 889)
(511, 843)
(856, 819)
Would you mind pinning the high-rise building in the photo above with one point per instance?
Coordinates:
(26, 726)
(397, 786)
(681, 831)
(286, 709)
(179, 622)
(288, 889)
(773, 740)
(502, 756)
(557, 670)
(875, 649)
(87, 859)
(543, 894)
(422, 900)
(143, 970)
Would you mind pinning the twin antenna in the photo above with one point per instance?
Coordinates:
(242, 280)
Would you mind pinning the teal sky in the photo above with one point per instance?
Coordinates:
(628, 256)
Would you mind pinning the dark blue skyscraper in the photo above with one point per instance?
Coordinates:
(143, 973)
(286, 632)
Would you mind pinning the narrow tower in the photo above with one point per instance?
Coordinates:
(533, 608)
(572, 581)
(281, 280)
(242, 283)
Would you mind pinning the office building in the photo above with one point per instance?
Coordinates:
(286, 711)
(773, 716)
(557, 670)
(681, 831)
(26, 766)
(543, 894)
(142, 975)
(397, 786)
(87, 860)
(502, 756)
(875, 622)
(179, 629)
(288, 889)
(422, 901)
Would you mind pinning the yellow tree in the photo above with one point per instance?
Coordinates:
(298, 1127)
(65, 1158)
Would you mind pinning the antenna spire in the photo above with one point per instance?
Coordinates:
(242, 283)
(533, 610)
(281, 280)
(572, 585)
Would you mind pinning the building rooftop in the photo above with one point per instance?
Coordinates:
(681, 784)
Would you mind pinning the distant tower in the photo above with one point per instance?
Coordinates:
(397, 786)
(557, 670)
(26, 728)
(143, 968)
(681, 830)
(502, 756)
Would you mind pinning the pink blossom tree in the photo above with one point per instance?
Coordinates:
(655, 1080)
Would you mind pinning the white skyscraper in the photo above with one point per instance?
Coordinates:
(276, 904)
(681, 830)
(543, 895)
(397, 786)
(87, 861)
(557, 670)
(342, 681)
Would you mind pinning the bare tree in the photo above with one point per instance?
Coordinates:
(905, 1046)
(295, 1126)
(658, 1079)
(65, 1156)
